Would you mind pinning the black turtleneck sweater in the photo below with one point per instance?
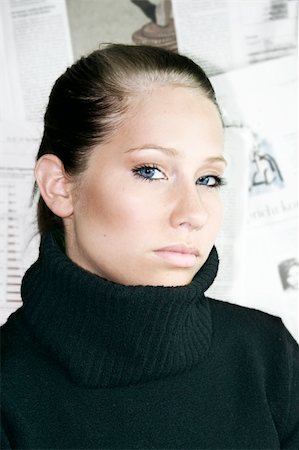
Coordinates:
(91, 364)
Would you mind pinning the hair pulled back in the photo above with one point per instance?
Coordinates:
(89, 100)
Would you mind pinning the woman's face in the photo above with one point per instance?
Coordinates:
(147, 210)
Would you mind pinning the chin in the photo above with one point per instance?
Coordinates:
(152, 276)
(171, 280)
(177, 283)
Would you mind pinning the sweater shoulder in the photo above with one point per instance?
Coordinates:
(245, 320)
(19, 348)
(14, 334)
(254, 335)
(258, 346)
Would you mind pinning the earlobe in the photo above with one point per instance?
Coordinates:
(54, 185)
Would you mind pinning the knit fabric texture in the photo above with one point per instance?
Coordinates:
(92, 364)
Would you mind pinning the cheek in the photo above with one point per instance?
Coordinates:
(214, 207)
(220, 212)
(115, 210)
(93, 206)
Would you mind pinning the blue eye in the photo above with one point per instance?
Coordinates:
(149, 173)
(212, 181)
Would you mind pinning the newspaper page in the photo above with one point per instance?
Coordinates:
(222, 35)
(262, 99)
(35, 48)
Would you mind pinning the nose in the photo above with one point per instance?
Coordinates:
(189, 210)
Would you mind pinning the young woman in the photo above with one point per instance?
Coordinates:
(116, 345)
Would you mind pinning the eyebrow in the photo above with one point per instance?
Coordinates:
(171, 151)
(220, 159)
(174, 152)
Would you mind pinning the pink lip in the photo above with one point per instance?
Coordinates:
(179, 255)
(180, 249)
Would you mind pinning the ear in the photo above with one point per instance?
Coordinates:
(54, 185)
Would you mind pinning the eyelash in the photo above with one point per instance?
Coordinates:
(136, 171)
(219, 181)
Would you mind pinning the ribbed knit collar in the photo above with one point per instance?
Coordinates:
(106, 334)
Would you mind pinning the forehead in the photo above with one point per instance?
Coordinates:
(172, 100)
(172, 114)
(177, 118)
